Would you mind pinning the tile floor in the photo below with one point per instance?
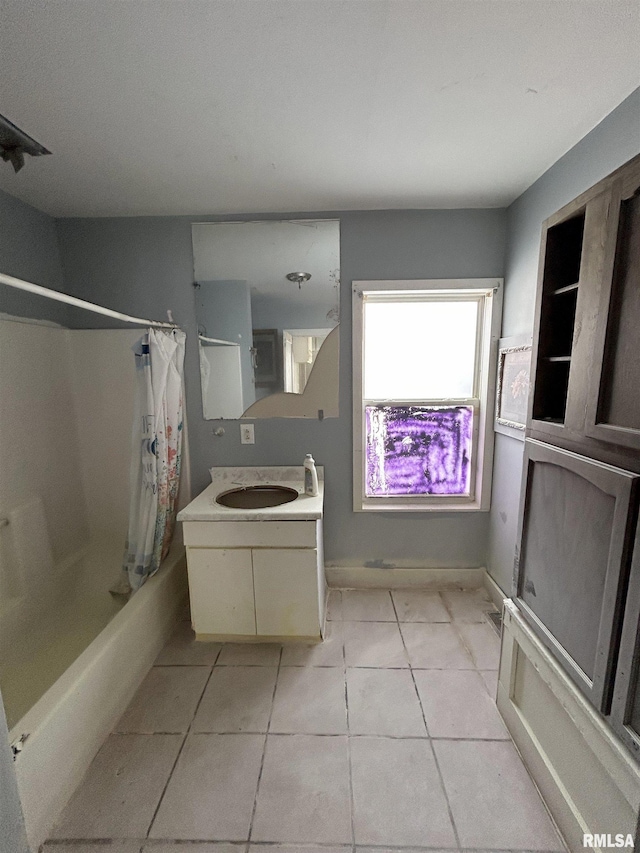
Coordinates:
(384, 738)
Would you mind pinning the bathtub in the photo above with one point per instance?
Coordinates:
(68, 724)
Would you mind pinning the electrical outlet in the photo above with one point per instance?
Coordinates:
(247, 435)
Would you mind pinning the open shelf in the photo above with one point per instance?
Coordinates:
(563, 253)
(568, 288)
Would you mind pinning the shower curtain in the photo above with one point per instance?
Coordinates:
(156, 454)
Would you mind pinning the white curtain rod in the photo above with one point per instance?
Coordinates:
(80, 303)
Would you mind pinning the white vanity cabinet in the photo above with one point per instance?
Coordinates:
(259, 577)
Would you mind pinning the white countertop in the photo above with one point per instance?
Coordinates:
(303, 508)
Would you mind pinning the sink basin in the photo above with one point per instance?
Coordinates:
(257, 497)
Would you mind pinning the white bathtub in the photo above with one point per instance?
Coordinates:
(67, 726)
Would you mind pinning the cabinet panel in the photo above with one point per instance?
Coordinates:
(576, 517)
(625, 709)
(221, 591)
(613, 410)
(246, 534)
(286, 591)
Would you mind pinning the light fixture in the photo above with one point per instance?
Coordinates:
(15, 143)
(299, 277)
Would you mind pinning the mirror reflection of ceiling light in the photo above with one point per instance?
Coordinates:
(15, 143)
(299, 277)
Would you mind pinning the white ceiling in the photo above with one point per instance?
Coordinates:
(229, 106)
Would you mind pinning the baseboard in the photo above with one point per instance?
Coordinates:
(495, 593)
(366, 577)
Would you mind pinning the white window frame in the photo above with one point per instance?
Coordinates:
(489, 291)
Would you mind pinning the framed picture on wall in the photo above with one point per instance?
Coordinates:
(266, 362)
(513, 386)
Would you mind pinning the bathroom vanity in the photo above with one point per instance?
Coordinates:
(256, 574)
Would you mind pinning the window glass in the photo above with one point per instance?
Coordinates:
(418, 450)
(419, 349)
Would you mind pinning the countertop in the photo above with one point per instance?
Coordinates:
(303, 508)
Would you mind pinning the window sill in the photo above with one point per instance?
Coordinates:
(421, 506)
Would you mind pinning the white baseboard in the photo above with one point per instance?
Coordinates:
(495, 593)
(366, 577)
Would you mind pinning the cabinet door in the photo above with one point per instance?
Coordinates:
(613, 404)
(286, 592)
(625, 709)
(221, 591)
(576, 523)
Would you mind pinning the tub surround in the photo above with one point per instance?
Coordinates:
(256, 574)
(68, 724)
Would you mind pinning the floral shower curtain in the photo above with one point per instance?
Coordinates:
(156, 454)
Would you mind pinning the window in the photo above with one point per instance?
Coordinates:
(424, 356)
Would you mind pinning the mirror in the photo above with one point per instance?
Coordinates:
(267, 307)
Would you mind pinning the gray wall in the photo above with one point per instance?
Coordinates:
(614, 141)
(29, 250)
(144, 266)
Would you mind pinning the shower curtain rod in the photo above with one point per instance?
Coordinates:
(80, 303)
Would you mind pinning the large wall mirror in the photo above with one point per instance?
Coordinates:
(267, 306)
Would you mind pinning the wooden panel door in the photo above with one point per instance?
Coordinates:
(625, 708)
(221, 591)
(613, 404)
(286, 592)
(575, 526)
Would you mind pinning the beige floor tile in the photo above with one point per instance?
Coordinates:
(383, 702)
(249, 654)
(494, 802)
(212, 789)
(377, 644)
(435, 646)
(397, 795)
(334, 605)
(467, 605)
(483, 643)
(367, 605)
(490, 678)
(417, 605)
(119, 794)
(310, 700)
(165, 701)
(327, 653)
(237, 699)
(304, 791)
(457, 705)
(183, 649)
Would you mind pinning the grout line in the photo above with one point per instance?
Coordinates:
(433, 752)
(264, 749)
(349, 760)
(184, 740)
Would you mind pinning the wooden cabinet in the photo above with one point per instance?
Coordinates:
(576, 520)
(250, 580)
(586, 369)
(577, 567)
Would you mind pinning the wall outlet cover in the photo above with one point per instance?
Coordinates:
(247, 434)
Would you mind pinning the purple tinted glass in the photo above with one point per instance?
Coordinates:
(418, 450)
